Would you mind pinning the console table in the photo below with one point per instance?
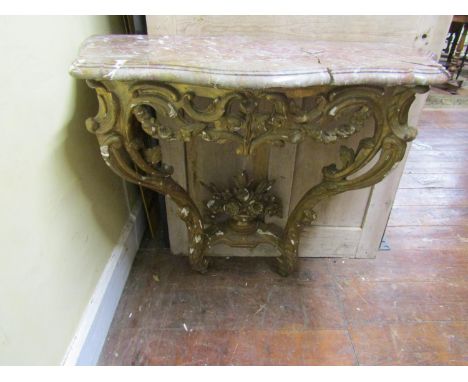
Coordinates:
(253, 91)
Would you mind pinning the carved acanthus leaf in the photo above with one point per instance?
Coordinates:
(247, 117)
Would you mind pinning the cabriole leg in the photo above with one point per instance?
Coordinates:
(389, 142)
(131, 159)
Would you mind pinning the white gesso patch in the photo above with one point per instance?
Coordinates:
(184, 211)
(262, 232)
(172, 111)
(197, 238)
(105, 151)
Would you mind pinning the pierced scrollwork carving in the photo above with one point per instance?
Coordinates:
(388, 144)
(132, 115)
(105, 119)
(125, 151)
(250, 118)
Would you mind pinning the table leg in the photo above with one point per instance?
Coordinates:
(125, 159)
(389, 143)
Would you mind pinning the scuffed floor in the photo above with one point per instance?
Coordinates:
(409, 306)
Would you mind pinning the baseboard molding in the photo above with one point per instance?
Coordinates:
(89, 339)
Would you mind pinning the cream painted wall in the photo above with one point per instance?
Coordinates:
(62, 209)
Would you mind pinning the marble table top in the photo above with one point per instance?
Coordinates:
(253, 62)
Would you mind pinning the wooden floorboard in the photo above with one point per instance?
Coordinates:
(424, 215)
(409, 306)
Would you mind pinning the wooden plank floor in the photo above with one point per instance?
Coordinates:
(407, 307)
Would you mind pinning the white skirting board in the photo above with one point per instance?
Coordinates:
(89, 339)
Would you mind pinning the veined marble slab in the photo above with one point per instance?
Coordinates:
(253, 62)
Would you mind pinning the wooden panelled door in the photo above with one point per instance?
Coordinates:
(349, 224)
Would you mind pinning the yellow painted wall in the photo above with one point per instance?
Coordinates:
(62, 210)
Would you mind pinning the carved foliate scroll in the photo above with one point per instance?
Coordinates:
(133, 115)
(250, 118)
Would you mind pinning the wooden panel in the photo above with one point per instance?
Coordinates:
(354, 222)
(173, 153)
(383, 195)
(408, 30)
(377, 214)
(311, 158)
(322, 242)
(281, 168)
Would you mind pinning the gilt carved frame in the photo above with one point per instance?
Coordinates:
(134, 115)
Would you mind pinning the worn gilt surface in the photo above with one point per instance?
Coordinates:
(253, 91)
(132, 113)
